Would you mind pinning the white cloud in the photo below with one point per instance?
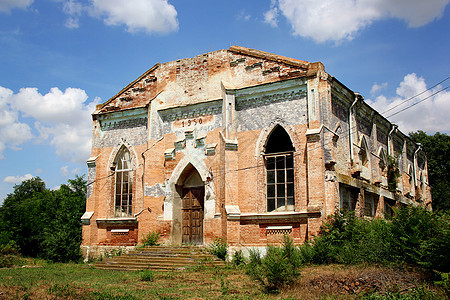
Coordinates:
(64, 170)
(12, 132)
(148, 15)
(431, 115)
(61, 118)
(17, 179)
(336, 20)
(7, 5)
(74, 10)
(376, 88)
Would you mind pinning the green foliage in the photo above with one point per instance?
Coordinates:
(422, 237)
(238, 258)
(219, 248)
(393, 173)
(415, 235)
(437, 149)
(278, 268)
(44, 223)
(147, 275)
(151, 239)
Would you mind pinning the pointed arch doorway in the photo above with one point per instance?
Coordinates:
(192, 191)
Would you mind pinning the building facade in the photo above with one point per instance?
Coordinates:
(244, 145)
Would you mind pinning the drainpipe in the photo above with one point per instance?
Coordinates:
(394, 127)
(350, 125)
(415, 162)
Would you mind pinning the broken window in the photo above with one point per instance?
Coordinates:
(349, 198)
(363, 153)
(370, 204)
(279, 158)
(123, 184)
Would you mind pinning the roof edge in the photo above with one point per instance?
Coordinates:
(101, 106)
(270, 56)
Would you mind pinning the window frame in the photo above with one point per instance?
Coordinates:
(286, 194)
(123, 178)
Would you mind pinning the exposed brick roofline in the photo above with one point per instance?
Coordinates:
(100, 106)
(266, 55)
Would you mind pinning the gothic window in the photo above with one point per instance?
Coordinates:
(279, 159)
(123, 184)
(363, 153)
(411, 178)
(383, 159)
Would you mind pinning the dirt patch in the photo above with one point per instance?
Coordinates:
(356, 280)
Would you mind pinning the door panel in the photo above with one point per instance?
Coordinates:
(192, 212)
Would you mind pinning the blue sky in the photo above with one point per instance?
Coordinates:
(58, 58)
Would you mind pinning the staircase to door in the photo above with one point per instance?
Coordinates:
(160, 258)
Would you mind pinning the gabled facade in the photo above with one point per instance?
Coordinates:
(240, 144)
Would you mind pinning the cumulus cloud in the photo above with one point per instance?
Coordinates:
(61, 118)
(271, 16)
(7, 5)
(148, 15)
(376, 88)
(336, 20)
(13, 133)
(430, 115)
(17, 179)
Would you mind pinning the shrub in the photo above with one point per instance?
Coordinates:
(219, 248)
(238, 258)
(151, 239)
(147, 275)
(278, 268)
(422, 237)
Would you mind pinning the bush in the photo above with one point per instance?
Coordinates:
(422, 237)
(219, 248)
(147, 275)
(278, 268)
(238, 258)
(151, 239)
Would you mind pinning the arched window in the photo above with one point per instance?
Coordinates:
(383, 159)
(279, 159)
(363, 152)
(123, 184)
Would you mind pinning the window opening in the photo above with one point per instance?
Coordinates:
(383, 160)
(349, 198)
(279, 160)
(363, 154)
(123, 185)
(370, 204)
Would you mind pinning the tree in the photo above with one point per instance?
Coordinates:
(437, 149)
(42, 222)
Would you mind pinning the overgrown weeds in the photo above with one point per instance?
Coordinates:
(219, 248)
(151, 239)
(414, 236)
(278, 268)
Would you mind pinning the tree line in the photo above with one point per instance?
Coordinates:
(44, 223)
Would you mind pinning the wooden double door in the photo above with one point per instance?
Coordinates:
(192, 214)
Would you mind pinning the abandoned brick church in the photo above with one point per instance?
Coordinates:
(244, 145)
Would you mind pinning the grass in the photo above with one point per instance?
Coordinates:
(78, 281)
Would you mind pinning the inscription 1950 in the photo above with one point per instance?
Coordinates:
(192, 122)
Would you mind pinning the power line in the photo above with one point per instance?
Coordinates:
(420, 101)
(417, 95)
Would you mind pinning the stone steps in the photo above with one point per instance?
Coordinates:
(160, 258)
